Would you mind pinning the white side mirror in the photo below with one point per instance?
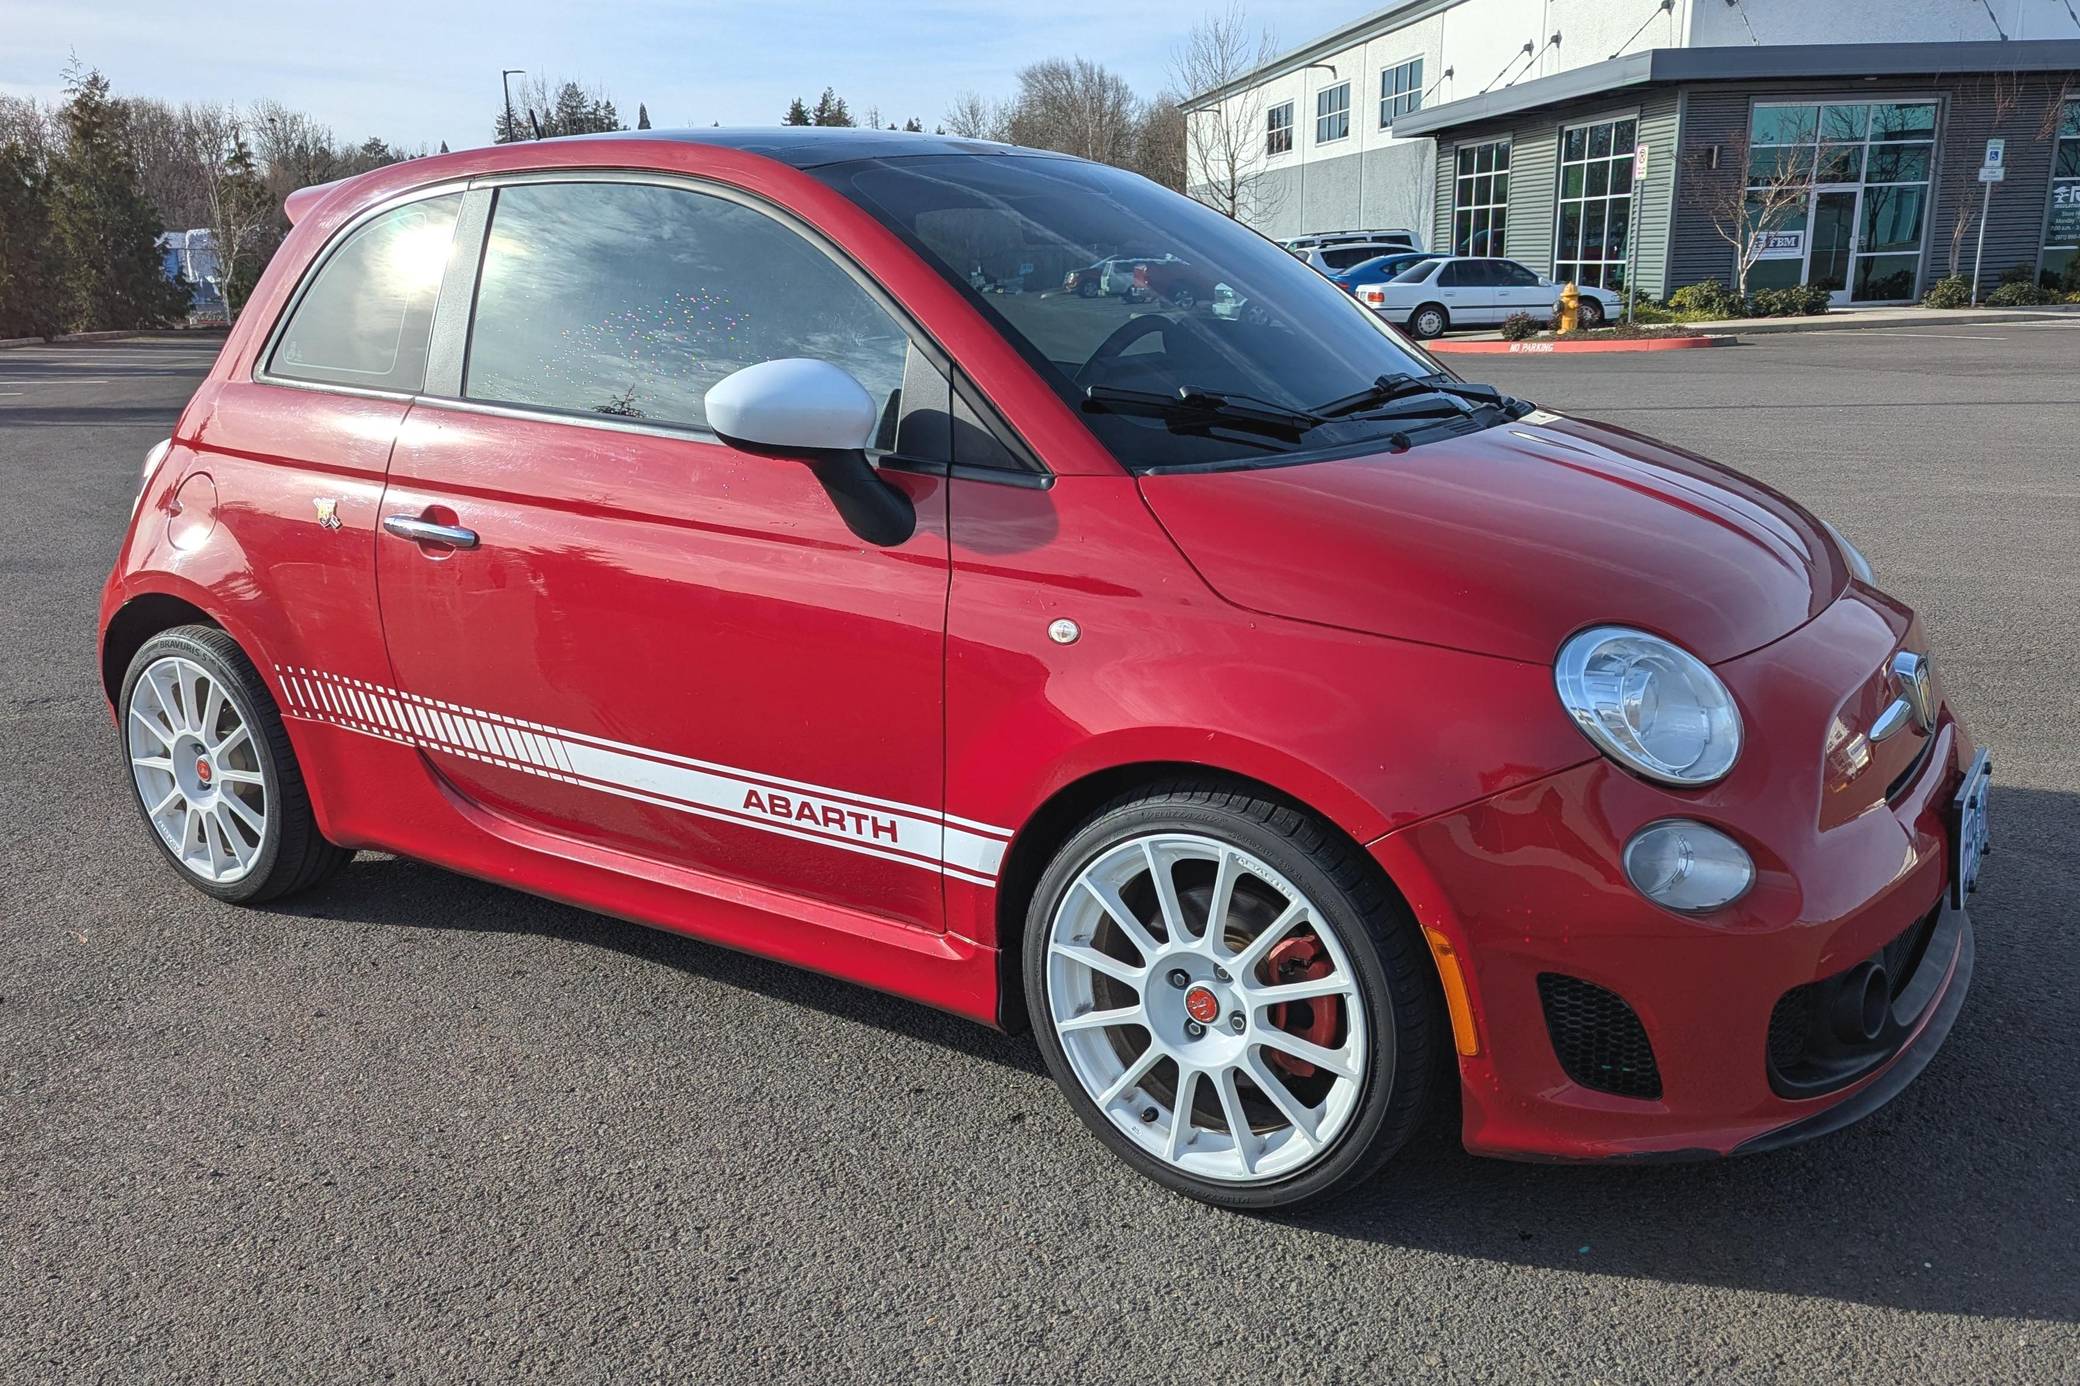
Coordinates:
(818, 414)
(793, 404)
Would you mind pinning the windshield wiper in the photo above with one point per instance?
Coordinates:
(1389, 388)
(1194, 408)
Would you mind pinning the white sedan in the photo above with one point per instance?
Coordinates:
(1466, 291)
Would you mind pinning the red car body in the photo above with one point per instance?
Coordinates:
(676, 690)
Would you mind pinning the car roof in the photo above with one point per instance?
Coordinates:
(813, 146)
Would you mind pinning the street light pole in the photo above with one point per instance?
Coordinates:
(505, 81)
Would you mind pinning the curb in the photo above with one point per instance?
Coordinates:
(64, 337)
(1564, 347)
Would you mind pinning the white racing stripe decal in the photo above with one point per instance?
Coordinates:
(859, 823)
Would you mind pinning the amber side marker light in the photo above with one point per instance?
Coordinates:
(1464, 1036)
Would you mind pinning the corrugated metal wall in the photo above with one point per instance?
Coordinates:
(1980, 106)
(1713, 118)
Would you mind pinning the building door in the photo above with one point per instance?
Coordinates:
(1833, 242)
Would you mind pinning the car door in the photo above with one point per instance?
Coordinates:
(644, 639)
(1521, 291)
(1457, 288)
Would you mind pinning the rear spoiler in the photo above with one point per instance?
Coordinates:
(303, 199)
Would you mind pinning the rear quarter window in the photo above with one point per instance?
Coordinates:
(366, 315)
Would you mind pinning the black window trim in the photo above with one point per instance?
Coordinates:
(455, 319)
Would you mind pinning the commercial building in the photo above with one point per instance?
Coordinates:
(1834, 144)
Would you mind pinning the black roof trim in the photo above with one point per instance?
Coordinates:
(813, 146)
(1728, 64)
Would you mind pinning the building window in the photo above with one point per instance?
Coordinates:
(1400, 91)
(1595, 228)
(1858, 172)
(2061, 268)
(1480, 199)
(1332, 113)
(1278, 129)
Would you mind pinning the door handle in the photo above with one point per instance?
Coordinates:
(427, 532)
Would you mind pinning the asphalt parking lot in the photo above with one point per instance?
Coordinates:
(420, 1127)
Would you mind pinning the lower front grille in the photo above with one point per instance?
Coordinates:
(1809, 1052)
(1598, 1038)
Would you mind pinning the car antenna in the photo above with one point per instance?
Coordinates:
(533, 124)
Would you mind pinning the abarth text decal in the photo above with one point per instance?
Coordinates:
(858, 823)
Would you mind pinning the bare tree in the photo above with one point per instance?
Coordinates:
(1078, 107)
(1226, 155)
(975, 118)
(1159, 145)
(1745, 205)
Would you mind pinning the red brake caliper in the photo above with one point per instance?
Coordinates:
(1302, 960)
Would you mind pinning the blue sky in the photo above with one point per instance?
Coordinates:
(423, 72)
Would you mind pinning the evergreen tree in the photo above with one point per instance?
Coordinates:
(797, 113)
(444, 146)
(915, 126)
(642, 116)
(103, 228)
(27, 304)
(830, 110)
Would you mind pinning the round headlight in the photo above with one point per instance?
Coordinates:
(1859, 566)
(1687, 866)
(1649, 705)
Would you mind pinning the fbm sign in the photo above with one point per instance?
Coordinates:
(1779, 245)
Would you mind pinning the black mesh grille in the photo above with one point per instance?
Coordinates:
(1790, 1024)
(1805, 1057)
(1598, 1038)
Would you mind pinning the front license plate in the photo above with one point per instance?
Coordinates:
(1968, 829)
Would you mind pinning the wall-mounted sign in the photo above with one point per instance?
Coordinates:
(1780, 245)
(2064, 226)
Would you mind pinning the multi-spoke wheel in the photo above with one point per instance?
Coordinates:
(1230, 996)
(213, 771)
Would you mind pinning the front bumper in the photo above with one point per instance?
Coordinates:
(1528, 888)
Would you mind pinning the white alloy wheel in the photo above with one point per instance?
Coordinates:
(1208, 1008)
(197, 770)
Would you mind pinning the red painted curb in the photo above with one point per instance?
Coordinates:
(1545, 348)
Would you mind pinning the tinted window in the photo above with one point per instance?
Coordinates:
(1344, 259)
(1514, 273)
(1231, 312)
(633, 301)
(1418, 273)
(1457, 274)
(366, 317)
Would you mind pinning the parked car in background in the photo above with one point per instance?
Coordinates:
(1380, 268)
(1172, 281)
(1435, 296)
(1330, 251)
(1275, 723)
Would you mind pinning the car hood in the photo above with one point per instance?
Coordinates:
(1507, 541)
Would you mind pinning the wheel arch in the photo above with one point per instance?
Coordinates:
(1058, 817)
(138, 620)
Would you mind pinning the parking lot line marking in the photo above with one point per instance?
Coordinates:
(1917, 332)
(61, 380)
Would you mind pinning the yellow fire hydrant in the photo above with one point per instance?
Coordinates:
(1570, 306)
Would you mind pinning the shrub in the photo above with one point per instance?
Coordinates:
(2017, 274)
(1955, 291)
(2020, 293)
(1709, 299)
(1517, 326)
(1799, 300)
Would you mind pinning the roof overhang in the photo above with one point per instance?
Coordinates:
(1775, 63)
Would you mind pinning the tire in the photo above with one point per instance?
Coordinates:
(1428, 321)
(1356, 939)
(222, 777)
(1589, 314)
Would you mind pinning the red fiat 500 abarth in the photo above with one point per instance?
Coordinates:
(746, 533)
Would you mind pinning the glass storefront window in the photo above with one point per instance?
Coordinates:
(1593, 231)
(2060, 266)
(1480, 199)
(1867, 165)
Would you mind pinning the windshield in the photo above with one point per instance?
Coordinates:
(1112, 286)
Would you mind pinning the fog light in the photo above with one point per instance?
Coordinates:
(1686, 866)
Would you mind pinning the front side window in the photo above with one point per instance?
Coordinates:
(1211, 309)
(1332, 113)
(1595, 228)
(2061, 267)
(632, 301)
(1400, 91)
(1480, 198)
(367, 316)
(1278, 129)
